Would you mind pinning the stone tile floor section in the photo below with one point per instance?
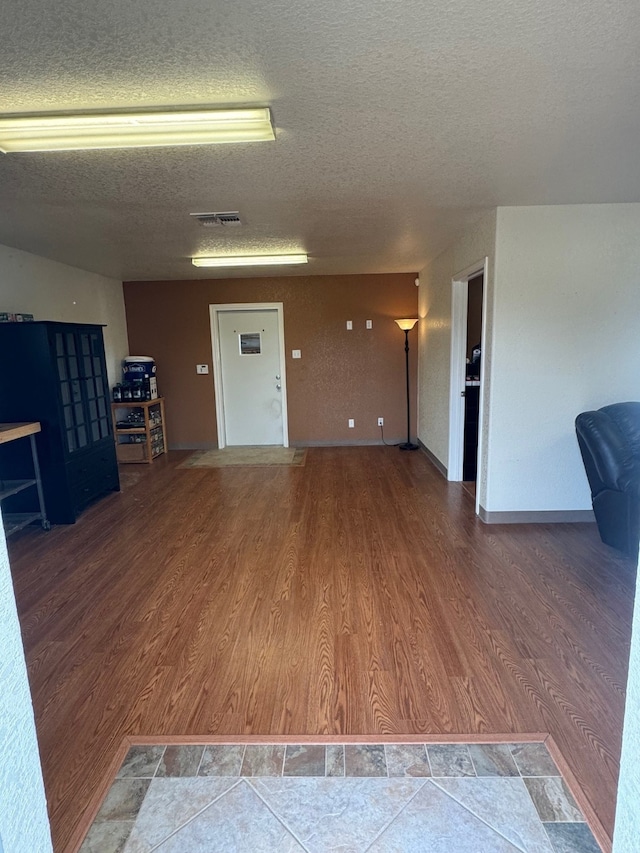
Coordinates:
(444, 798)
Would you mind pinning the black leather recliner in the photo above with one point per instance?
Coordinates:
(609, 440)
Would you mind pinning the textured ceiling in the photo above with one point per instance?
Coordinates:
(397, 122)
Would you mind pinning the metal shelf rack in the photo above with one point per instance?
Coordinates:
(14, 521)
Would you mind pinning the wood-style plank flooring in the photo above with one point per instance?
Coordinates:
(355, 595)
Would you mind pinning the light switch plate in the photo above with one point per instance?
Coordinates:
(296, 353)
(349, 324)
(202, 368)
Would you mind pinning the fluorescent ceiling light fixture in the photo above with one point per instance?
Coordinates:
(250, 261)
(143, 129)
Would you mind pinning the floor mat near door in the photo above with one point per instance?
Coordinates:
(246, 457)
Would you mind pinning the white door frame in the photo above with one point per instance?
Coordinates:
(214, 312)
(459, 300)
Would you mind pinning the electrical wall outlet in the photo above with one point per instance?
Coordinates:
(349, 325)
(352, 423)
(380, 421)
(296, 353)
(369, 324)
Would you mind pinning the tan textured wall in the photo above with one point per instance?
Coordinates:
(342, 374)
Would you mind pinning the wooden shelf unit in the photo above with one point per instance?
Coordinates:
(14, 521)
(154, 432)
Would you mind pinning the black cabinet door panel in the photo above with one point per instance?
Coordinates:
(55, 373)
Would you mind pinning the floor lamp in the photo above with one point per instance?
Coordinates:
(406, 326)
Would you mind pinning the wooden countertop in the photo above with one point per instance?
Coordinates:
(9, 432)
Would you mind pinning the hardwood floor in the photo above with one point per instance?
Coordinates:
(356, 595)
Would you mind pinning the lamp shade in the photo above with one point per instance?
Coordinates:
(407, 325)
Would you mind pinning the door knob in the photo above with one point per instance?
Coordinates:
(278, 376)
(278, 387)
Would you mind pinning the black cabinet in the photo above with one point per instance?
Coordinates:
(55, 373)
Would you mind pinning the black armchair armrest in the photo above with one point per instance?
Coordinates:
(609, 441)
(605, 452)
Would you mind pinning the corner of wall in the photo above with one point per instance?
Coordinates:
(24, 821)
(625, 837)
(51, 290)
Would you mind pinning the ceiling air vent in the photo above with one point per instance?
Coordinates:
(213, 220)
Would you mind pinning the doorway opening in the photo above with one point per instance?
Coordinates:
(468, 332)
(249, 374)
(472, 379)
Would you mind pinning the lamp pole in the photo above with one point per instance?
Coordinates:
(406, 326)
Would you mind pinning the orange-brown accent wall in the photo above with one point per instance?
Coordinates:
(342, 374)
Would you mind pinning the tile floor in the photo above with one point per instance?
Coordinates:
(445, 798)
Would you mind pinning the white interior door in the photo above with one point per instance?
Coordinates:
(251, 374)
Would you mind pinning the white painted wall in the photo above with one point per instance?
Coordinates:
(627, 829)
(563, 302)
(566, 323)
(53, 291)
(24, 824)
(434, 335)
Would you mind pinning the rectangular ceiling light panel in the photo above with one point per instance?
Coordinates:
(250, 261)
(71, 132)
